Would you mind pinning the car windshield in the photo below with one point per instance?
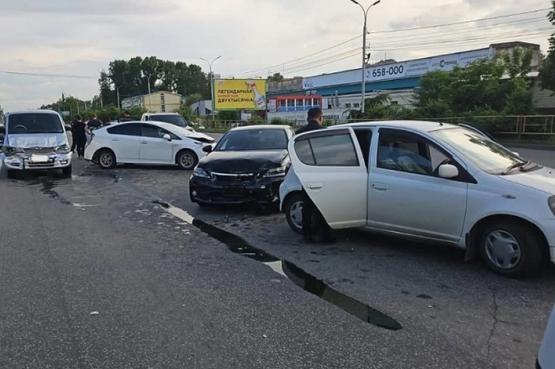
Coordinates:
(176, 120)
(29, 123)
(253, 139)
(480, 150)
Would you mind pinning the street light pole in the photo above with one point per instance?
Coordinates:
(149, 101)
(210, 64)
(364, 31)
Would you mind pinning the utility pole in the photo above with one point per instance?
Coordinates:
(117, 94)
(364, 32)
(149, 101)
(210, 64)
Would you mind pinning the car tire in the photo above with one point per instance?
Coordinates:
(106, 159)
(293, 209)
(66, 172)
(512, 248)
(187, 159)
(11, 174)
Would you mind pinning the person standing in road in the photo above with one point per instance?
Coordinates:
(94, 122)
(315, 227)
(78, 130)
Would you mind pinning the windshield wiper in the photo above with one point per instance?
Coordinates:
(514, 166)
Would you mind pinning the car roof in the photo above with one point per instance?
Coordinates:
(164, 125)
(36, 111)
(262, 126)
(417, 125)
(154, 114)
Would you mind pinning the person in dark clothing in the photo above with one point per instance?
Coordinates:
(315, 120)
(315, 227)
(78, 131)
(94, 123)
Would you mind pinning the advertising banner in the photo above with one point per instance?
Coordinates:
(393, 71)
(240, 94)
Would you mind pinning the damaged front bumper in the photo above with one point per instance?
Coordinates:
(37, 161)
(264, 191)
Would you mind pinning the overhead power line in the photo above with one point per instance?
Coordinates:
(461, 22)
(30, 74)
(282, 65)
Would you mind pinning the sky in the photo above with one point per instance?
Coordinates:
(254, 37)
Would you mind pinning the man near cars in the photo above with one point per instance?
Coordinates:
(315, 227)
(94, 122)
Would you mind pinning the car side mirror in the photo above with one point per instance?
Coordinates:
(207, 149)
(448, 171)
(167, 137)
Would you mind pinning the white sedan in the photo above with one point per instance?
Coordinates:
(430, 181)
(146, 143)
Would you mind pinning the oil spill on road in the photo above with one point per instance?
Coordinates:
(297, 275)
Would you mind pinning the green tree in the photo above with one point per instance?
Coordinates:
(276, 77)
(547, 71)
(499, 85)
(193, 99)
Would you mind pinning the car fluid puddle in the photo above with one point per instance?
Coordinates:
(289, 270)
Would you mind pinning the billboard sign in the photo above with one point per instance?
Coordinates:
(240, 94)
(393, 71)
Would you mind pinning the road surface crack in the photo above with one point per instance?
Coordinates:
(495, 319)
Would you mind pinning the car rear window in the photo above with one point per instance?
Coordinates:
(29, 123)
(126, 129)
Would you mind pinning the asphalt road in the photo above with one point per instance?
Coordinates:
(93, 274)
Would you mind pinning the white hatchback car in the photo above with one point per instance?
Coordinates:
(429, 181)
(145, 143)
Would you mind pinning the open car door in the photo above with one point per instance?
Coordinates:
(330, 165)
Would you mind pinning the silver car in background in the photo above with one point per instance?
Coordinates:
(35, 140)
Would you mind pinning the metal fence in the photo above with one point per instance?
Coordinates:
(513, 126)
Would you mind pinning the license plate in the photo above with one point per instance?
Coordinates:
(40, 158)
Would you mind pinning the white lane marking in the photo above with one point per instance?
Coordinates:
(276, 266)
(77, 205)
(179, 213)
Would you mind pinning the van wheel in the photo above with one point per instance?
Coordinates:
(186, 159)
(106, 159)
(512, 248)
(294, 212)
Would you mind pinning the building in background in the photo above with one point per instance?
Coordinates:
(341, 91)
(202, 108)
(156, 102)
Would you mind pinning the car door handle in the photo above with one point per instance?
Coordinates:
(315, 186)
(144, 143)
(116, 140)
(380, 187)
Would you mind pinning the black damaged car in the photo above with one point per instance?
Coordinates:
(247, 166)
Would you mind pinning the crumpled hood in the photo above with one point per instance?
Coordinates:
(40, 140)
(193, 134)
(242, 161)
(542, 179)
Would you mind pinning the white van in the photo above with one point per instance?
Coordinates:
(36, 140)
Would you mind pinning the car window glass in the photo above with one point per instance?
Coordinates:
(437, 158)
(304, 152)
(31, 123)
(126, 130)
(253, 139)
(404, 152)
(334, 150)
